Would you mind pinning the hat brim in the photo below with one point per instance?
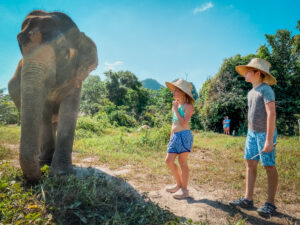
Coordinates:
(172, 87)
(269, 78)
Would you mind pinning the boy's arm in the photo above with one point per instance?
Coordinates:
(271, 124)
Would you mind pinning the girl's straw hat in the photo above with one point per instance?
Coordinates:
(258, 64)
(183, 85)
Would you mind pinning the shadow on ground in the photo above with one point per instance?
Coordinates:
(91, 196)
(250, 219)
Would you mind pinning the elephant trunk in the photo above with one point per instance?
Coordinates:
(36, 82)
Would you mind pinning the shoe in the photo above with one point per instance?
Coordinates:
(173, 188)
(267, 210)
(181, 194)
(243, 203)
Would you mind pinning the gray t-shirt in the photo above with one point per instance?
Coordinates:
(257, 115)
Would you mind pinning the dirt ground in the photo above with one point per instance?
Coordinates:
(208, 203)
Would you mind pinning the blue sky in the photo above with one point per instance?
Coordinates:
(156, 39)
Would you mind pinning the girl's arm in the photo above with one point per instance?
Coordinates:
(171, 131)
(188, 112)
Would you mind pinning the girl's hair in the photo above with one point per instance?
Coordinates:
(187, 99)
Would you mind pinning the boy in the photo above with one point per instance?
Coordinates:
(261, 137)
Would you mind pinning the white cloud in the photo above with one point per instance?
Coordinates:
(203, 8)
(111, 66)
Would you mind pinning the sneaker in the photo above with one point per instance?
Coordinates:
(173, 188)
(243, 203)
(267, 210)
(181, 194)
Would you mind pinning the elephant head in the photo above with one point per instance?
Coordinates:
(57, 57)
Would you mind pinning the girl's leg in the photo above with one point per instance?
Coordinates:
(182, 159)
(170, 161)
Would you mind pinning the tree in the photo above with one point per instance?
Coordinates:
(225, 94)
(283, 54)
(92, 94)
(8, 112)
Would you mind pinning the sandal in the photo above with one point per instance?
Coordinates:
(267, 210)
(173, 188)
(243, 203)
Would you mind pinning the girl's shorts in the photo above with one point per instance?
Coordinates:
(180, 142)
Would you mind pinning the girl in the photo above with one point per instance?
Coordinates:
(181, 139)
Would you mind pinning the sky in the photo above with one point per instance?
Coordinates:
(158, 39)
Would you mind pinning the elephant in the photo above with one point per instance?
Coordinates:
(56, 58)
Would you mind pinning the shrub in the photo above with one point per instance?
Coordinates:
(121, 118)
(89, 124)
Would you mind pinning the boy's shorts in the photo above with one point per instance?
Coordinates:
(255, 142)
(180, 142)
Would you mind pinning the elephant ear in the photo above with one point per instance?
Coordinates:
(87, 58)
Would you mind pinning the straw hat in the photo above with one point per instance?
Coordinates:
(183, 85)
(258, 64)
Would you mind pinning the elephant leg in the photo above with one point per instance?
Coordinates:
(67, 117)
(48, 137)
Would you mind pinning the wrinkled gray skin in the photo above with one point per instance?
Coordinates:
(46, 87)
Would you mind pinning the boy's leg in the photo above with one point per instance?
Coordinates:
(251, 149)
(268, 161)
(182, 159)
(170, 161)
(272, 183)
(251, 173)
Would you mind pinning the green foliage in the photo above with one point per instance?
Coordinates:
(8, 111)
(284, 56)
(90, 125)
(70, 200)
(18, 204)
(121, 118)
(92, 93)
(226, 93)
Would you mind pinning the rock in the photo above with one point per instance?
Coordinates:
(144, 127)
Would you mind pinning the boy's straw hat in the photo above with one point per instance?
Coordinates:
(183, 85)
(258, 64)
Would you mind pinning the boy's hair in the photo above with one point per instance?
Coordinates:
(262, 75)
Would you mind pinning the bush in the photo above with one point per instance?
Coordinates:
(121, 118)
(90, 125)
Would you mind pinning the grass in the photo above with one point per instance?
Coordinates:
(216, 160)
(70, 200)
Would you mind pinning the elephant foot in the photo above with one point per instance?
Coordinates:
(31, 170)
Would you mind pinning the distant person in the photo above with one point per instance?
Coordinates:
(262, 133)
(226, 125)
(181, 139)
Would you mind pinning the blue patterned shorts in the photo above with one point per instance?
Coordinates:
(180, 142)
(255, 143)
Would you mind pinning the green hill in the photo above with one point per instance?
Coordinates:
(151, 84)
